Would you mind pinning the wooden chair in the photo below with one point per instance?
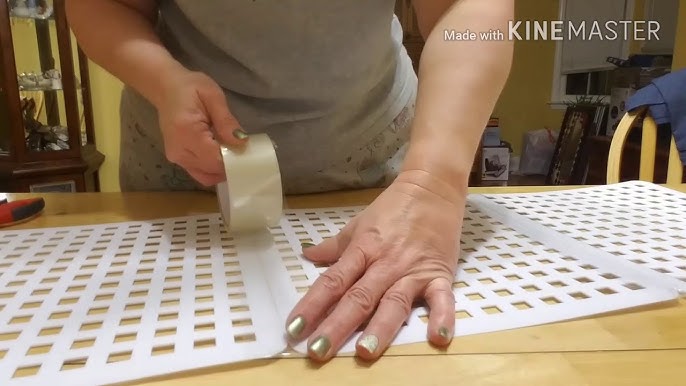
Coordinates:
(675, 169)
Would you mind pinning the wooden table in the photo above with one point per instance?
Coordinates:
(642, 347)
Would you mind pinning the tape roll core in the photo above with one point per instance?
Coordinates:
(251, 198)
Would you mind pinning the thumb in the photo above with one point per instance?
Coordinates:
(329, 250)
(225, 126)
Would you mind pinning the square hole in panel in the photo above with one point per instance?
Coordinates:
(162, 350)
(39, 350)
(119, 357)
(475, 296)
(513, 277)
(165, 332)
(59, 315)
(486, 280)
(203, 327)
(492, 310)
(90, 326)
(551, 300)
(583, 280)
(205, 343)
(606, 291)
(125, 337)
(238, 309)
(21, 319)
(241, 322)
(9, 336)
(522, 305)
(135, 320)
(245, 338)
(503, 292)
(531, 288)
(50, 331)
(609, 276)
(204, 312)
(557, 284)
(26, 371)
(462, 314)
(97, 311)
(579, 295)
(460, 284)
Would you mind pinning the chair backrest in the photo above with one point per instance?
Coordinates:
(675, 169)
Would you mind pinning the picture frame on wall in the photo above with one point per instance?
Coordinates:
(569, 165)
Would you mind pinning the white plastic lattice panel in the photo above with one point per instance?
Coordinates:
(506, 279)
(636, 221)
(118, 302)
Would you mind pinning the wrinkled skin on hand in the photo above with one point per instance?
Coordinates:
(401, 249)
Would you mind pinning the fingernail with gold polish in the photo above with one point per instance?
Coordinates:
(320, 346)
(240, 134)
(296, 327)
(369, 343)
(444, 333)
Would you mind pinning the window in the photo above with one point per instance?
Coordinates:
(581, 67)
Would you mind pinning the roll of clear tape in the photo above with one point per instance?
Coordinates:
(251, 198)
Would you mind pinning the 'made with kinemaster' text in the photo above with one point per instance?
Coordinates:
(639, 30)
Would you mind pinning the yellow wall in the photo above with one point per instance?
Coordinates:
(532, 70)
(105, 94)
(518, 111)
(680, 43)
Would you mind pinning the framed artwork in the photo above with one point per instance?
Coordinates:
(495, 164)
(568, 165)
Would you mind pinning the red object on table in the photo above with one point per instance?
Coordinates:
(14, 212)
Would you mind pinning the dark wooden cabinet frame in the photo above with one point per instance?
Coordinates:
(21, 169)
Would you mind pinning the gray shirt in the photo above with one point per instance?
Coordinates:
(325, 79)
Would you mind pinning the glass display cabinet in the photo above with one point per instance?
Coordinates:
(47, 140)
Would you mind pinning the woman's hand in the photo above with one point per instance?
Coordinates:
(400, 249)
(195, 120)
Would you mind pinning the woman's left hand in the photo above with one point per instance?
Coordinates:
(402, 248)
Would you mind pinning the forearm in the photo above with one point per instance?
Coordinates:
(459, 85)
(119, 36)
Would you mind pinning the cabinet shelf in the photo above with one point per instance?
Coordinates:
(38, 88)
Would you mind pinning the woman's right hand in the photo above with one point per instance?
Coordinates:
(195, 120)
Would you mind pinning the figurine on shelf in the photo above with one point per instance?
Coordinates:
(50, 80)
(20, 8)
(40, 137)
(55, 79)
(36, 9)
(46, 138)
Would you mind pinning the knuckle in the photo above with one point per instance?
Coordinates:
(332, 280)
(362, 297)
(399, 299)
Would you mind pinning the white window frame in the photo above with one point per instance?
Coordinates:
(558, 97)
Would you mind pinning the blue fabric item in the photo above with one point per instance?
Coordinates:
(666, 100)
